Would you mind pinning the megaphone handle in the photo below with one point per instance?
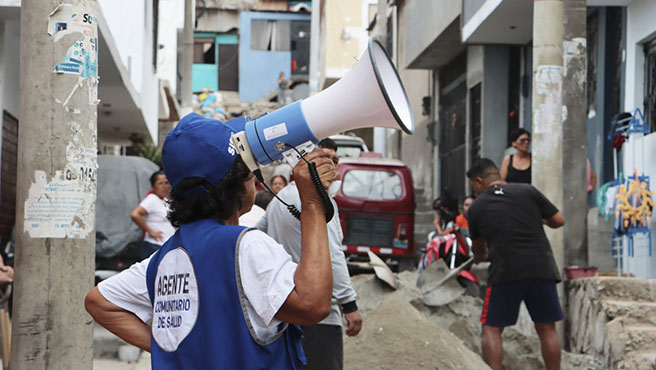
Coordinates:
(327, 204)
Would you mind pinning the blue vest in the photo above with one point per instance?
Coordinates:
(199, 321)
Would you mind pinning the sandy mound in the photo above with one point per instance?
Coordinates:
(371, 291)
(396, 336)
(400, 332)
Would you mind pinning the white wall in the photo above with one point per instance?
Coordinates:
(126, 20)
(639, 152)
(640, 27)
(171, 18)
(131, 25)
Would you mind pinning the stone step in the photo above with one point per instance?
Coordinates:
(638, 360)
(631, 312)
(626, 340)
(618, 288)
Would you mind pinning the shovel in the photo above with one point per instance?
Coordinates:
(442, 275)
(382, 271)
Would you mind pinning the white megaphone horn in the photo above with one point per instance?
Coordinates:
(369, 95)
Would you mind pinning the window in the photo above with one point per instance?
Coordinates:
(204, 50)
(272, 35)
(372, 184)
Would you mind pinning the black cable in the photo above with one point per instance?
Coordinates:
(314, 175)
(290, 207)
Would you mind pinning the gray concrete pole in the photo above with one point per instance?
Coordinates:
(187, 58)
(56, 186)
(575, 207)
(547, 146)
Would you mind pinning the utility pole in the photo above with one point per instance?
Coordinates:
(575, 207)
(56, 186)
(547, 158)
(187, 58)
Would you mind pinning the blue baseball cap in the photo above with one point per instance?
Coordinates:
(200, 147)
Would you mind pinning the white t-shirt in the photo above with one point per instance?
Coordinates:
(157, 209)
(267, 275)
(285, 229)
(250, 218)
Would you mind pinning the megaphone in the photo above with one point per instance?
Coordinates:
(369, 95)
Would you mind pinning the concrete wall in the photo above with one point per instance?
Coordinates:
(259, 69)
(217, 20)
(640, 28)
(475, 65)
(171, 19)
(469, 8)
(494, 99)
(416, 150)
(425, 20)
(600, 232)
(488, 65)
(346, 35)
(131, 24)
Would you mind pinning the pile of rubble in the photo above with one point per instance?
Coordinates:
(401, 332)
(225, 105)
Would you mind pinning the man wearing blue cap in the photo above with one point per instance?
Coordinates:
(220, 295)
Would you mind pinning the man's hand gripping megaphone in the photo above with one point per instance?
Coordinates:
(313, 171)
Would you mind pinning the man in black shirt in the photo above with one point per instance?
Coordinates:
(506, 226)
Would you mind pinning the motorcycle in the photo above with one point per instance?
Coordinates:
(455, 249)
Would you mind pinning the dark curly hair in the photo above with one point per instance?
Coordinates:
(218, 201)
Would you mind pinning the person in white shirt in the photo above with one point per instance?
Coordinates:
(150, 215)
(322, 342)
(212, 187)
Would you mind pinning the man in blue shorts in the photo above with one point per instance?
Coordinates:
(506, 226)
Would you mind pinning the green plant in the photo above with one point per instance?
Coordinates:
(150, 152)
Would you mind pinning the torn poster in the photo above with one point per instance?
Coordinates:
(82, 56)
(64, 206)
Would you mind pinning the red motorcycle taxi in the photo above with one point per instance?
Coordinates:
(377, 210)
